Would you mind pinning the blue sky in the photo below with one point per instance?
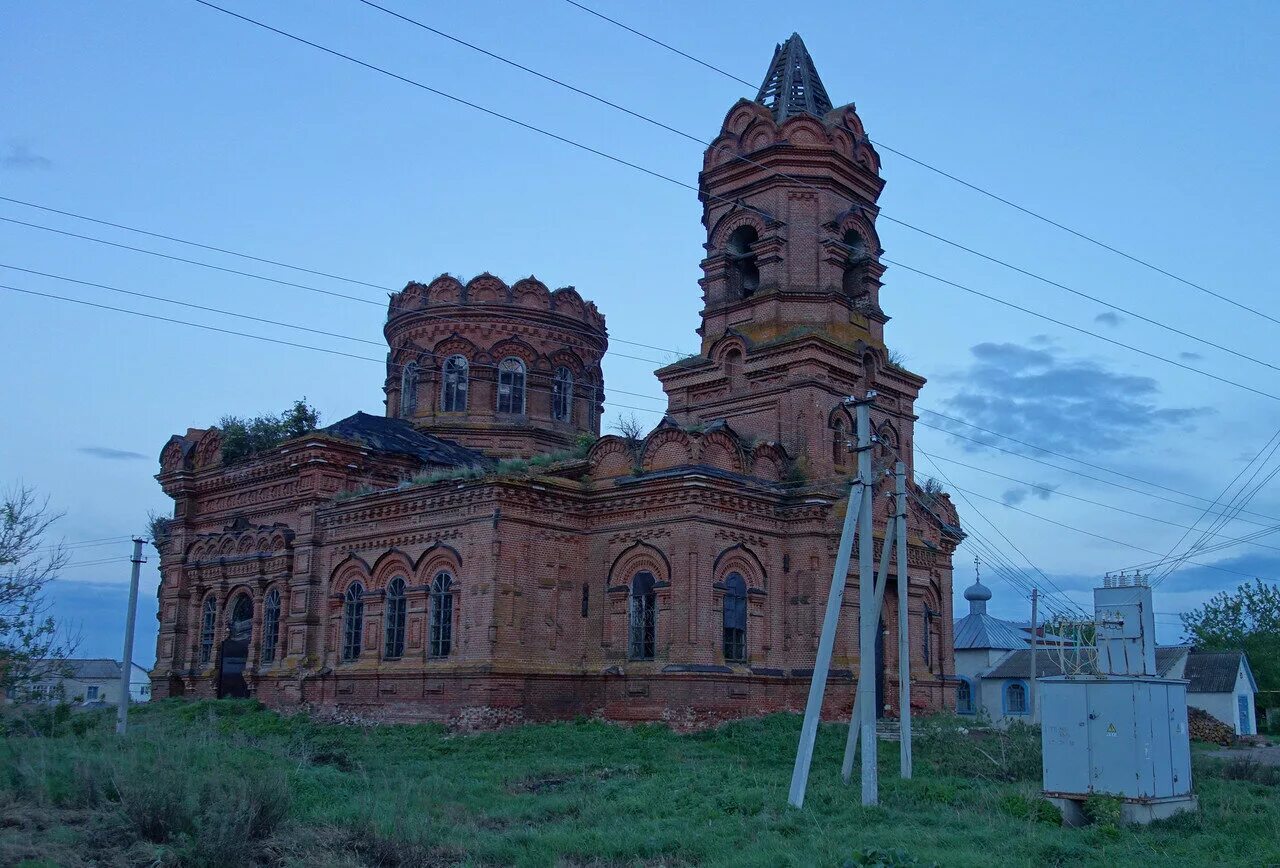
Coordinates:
(1151, 127)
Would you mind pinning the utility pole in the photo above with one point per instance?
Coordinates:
(1031, 693)
(868, 622)
(904, 620)
(835, 597)
(122, 713)
(855, 718)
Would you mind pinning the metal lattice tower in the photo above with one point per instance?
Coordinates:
(792, 85)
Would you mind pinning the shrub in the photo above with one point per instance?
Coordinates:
(1102, 810)
(243, 438)
(1035, 809)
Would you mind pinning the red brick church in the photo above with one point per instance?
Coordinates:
(479, 554)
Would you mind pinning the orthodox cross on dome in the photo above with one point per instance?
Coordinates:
(792, 85)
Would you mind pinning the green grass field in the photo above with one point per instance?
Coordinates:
(229, 783)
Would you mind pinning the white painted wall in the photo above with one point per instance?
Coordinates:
(1225, 706)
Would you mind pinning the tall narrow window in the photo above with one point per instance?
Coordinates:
(1015, 698)
(409, 390)
(241, 618)
(352, 621)
(745, 274)
(562, 395)
(839, 443)
(208, 618)
(441, 615)
(453, 386)
(270, 625)
(511, 386)
(855, 268)
(735, 618)
(644, 617)
(964, 697)
(927, 638)
(394, 615)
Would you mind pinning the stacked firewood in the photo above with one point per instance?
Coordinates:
(1203, 726)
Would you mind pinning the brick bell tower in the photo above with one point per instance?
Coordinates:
(791, 318)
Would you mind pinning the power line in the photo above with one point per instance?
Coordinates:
(1060, 493)
(996, 528)
(362, 340)
(1078, 329)
(949, 176)
(1062, 455)
(612, 339)
(1090, 533)
(881, 214)
(245, 316)
(260, 337)
(699, 190)
(1062, 469)
(249, 256)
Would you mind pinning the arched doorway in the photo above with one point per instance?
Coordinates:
(234, 653)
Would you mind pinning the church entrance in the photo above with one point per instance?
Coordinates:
(234, 653)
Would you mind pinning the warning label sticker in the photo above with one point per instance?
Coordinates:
(1111, 730)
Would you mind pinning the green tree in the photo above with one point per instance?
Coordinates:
(1248, 620)
(31, 644)
(242, 438)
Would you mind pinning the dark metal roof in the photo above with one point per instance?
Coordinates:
(86, 669)
(792, 85)
(1212, 671)
(979, 630)
(1018, 664)
(400, 437)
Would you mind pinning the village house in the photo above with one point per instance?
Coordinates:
(993, 669)
(478, 553)
(86, 682)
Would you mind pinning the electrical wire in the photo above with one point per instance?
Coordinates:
(881, 214)
(279, 341)
(951, 177)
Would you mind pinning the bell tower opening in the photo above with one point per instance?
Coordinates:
(745, 274)
(855, 267)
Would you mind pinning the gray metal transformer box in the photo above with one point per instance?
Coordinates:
(1124, 736)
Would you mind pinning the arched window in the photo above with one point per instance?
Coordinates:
(735, 618)
(643, 632)
(409, 390)
(208, 619)
(562, 395)
(855, 264)
(241, 618)
(441, 615)
(394, 616)
(1015, 698)
(453, 385)
(839, 443)
(511, 386)
(352, 621)
(927, 635)
(745, 276)
(964, 697)
(270, 625)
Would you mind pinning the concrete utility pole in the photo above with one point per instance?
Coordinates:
(904, 620)
(1031, 691)
(835, 597)
(867, 615)
(855, 717)
(122, 713)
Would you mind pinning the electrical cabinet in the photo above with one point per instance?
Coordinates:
(1118, 735)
